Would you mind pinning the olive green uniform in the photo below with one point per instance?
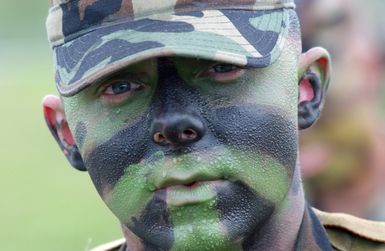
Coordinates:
(346, 232)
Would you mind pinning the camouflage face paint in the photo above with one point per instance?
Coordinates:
(215, 194)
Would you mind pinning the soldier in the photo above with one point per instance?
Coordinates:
(186, 115)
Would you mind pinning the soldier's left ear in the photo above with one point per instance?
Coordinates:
(314, 77)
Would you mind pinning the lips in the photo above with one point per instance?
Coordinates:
(183, 179)
(191, 193)
(183, 187)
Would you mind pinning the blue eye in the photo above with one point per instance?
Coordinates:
(119, 90)
(222, 68)
(121, 87)
(224, 72)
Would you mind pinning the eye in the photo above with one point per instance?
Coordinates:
(119, 87)
(117, 91)
(222, 68)
(224, 72)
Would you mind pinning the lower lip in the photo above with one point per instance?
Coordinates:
(194, 193)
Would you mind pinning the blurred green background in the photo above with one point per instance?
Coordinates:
(46, 205)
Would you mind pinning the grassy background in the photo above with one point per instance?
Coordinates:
(46, 205)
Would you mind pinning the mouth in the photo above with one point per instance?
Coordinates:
(195, 192)
(185, 180)
(187, 187)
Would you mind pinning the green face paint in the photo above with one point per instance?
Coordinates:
(136, 188)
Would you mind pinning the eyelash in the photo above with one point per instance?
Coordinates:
(119, 97)
(231, 75)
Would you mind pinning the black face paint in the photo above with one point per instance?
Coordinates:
(75, 158)
(176, 121)
(154, 224)
(106, 164)
(241, 210)
(257, 128)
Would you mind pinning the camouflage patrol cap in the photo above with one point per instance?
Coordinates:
(94, 38)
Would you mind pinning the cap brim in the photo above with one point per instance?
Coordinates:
(242, 37)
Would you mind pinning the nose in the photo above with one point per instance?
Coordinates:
(177, 129)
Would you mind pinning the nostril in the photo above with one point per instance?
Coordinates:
(189, 134)
(177, 129)
(159, 138)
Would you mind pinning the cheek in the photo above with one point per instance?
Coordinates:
(107, 162)
(241, 210)
(263, 143)
(94, 122)
(144, 212)
(258, 129)
(130, 194)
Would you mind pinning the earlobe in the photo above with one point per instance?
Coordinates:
(314, 69)
(57, 124)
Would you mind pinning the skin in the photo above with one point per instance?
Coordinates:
(198, 155)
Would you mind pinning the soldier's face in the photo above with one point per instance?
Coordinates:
(188, 152)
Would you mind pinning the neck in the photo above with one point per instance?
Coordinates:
(293, 226)
(280, 232)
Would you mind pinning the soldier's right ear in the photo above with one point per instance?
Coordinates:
(57, 123)
(314, 77)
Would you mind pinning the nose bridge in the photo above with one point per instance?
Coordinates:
(173, 94)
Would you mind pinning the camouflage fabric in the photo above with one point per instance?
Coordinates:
(92, 38)
(349, 233)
